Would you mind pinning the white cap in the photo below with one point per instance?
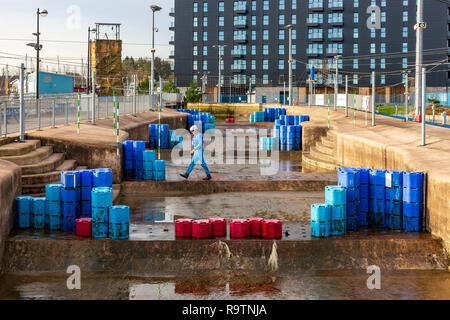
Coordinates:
(194, 128)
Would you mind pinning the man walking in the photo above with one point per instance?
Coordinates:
(197, 152)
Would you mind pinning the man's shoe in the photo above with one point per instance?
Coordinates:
(184, 175)
(208, 177)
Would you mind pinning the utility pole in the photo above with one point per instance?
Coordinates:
(21, 110)
(419, 26)
(289, 27)
(219, 85)
(373, 98)
(424, 84)
(336, 86)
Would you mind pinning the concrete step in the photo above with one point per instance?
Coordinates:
(322, 156)
(47, 177)
(327, 142)
(81, 168)
(32, 157)
(19, 148)
(318, 163)
(324, 149)
(331, 134)
(48, 164)
(37, 188)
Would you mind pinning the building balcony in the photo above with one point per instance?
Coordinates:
(172, 12)
(337, 8)
(312, 23)
(236, 70)
(237, 53)
(172, 26)
(336, 23)
(172, 41)
(240, 10)
(240, 25)
(312, 54)
(316, 39)
(240, 40)
(341, 38)
(316, 8)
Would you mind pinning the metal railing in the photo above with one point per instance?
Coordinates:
(63, 109)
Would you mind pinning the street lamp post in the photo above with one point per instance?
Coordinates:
(154, 8)
(38, 47)
(289, 27)
(219, 85)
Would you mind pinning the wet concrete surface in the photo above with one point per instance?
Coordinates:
(401, 285)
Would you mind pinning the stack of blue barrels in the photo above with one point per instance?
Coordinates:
(377, 198)
(70, 199)
(364, 196)
(350, 179)
(190, 111)
(257, 116)
(154, 134)
(38, 213)
(290, 137)
(101, 202)
(102, 177)
(149, 164)
(394, 199)
(24, 210)
(53, 206)
(174, 139)
(321, 220)
(336, 198)
(128, 160)
(267, 143)
(412, 201)
(119, 222)
(138, 151)
(159, 172)
(86, 179)
(271, 114)
(292, 120)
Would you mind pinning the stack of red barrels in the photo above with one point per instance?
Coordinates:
(239, 228)
(229, 120)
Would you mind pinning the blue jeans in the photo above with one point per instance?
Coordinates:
(198, 156)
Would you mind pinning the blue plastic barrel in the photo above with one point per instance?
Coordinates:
(338, 227)
(86, 178)
(102, 197)
(139, 146)
(377, 177)
(352, 223)
(412, 210)
(119, 222)
(394, 208)
(320, 229)
(338, 212)
(412, 195)
(377, 192)
(68, 223)
(412, 224)
(335, 195)
(70, 179)
(413, 180)
(396, 178)
(69, 195)
(321, 212)
(394, 194)
(86, 209)
(100, 223)
(38, 214)
(102, 178)
(53, 192)
(394, 222)
(160, 165)
(348, 177)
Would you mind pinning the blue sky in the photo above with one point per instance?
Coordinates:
(18, 21)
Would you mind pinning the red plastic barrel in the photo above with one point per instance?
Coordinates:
(239, 228)
(272, 229)
(183, 228)
(219, 227)
(83, 227)
(255, 227)
(201, 229)
(147, 144)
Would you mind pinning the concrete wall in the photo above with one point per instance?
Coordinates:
(10, 188)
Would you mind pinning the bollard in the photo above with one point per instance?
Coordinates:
(117, 121)
(444, 117)
(396, 110)
(434, 113)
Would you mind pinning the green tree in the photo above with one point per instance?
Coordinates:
(193, 93)
(143, 87)
(170, 87)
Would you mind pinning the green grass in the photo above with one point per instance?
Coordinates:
(390, 110)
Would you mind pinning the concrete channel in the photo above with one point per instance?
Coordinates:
(153, 264)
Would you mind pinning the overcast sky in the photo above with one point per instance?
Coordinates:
(68, 20)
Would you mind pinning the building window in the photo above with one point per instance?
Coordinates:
(195, 6)
(356, 17)
(205, 50)
(195, 35)
(405, 47)
(195, 22)
(253, 35)
(294, 19)
(336, 17)
(355, 79)
(205, 65)
(253, 50)
(265, 64)
(355, 3)
(382, 79)
(372, 63)
(205, 6)
(265, 50)
(205, 21)
(294, 4)
(282, 5)
(221, 36)
(281, 49)
(373, 48)
(195, 50)
(253, 5)
(253, 20)
(383, 48)
(281, 34)
(195, 65)
(373, 33)
(355, 48)
(265, 20)
(294, 34)
(315, 33)
(355, 33)
(221, 21)
(383, 63)
(405, 63)
(335, 33)
(383, 17)
(265, 34)
(281, 64)
(266, 5)
(205, 36)
(405, 32)
(383, 33)
(265, 79)
(221, 6)
(355, 64)
(294, 49)
(405, 16)
(315, 4)
(315, 18)
(281, 20)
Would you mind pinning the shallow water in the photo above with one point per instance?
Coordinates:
(306, 286)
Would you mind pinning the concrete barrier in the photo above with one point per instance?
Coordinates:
(10, 188)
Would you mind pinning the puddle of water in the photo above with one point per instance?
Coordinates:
(288, 206)
(322, 285)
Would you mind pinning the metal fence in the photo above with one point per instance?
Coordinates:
(63, 109)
